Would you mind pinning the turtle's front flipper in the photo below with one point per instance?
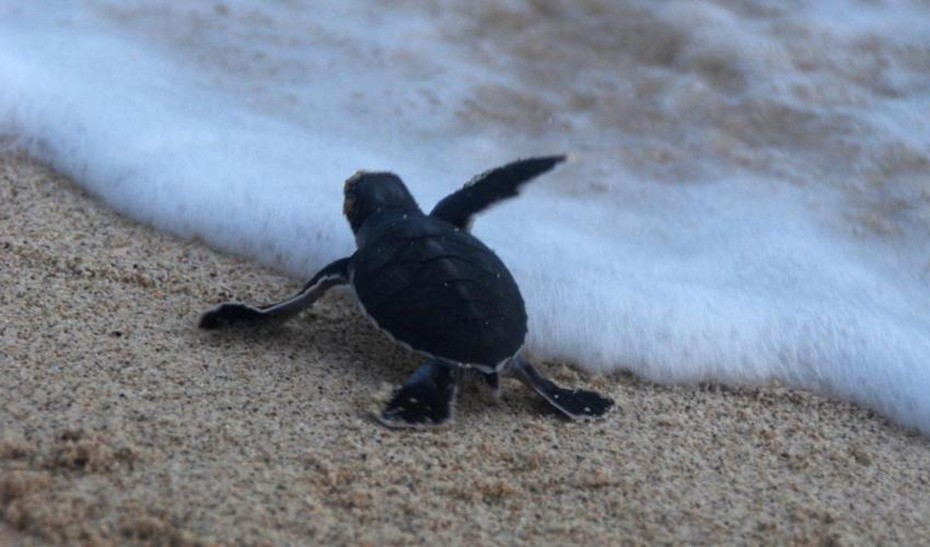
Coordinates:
(232, 313)
(425, 400)
(490, 187)
(577, 404)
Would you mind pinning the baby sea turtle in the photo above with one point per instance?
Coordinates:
(434, 287)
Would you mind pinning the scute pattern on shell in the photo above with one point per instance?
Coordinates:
(439, 290)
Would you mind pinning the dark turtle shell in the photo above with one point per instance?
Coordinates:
(439, 290)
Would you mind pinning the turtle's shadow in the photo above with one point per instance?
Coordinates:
(332, 334)
(335, 343)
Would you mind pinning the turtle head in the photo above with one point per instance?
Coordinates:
(367, 193)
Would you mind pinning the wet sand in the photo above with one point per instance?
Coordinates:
(120, 422)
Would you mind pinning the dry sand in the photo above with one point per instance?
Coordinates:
(121, 422)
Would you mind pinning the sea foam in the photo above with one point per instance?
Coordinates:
(747, 199)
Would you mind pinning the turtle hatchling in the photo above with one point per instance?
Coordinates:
(431, 285)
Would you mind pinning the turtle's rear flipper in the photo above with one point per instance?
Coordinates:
(425, 400)
(230, 313)
(577, 404)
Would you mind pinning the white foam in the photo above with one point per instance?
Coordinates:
(747, 201)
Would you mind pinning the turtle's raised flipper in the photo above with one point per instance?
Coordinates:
(490, 187)
(232, 313)
(577, 404)
(425, 400)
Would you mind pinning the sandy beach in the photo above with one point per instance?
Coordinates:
(121, 423)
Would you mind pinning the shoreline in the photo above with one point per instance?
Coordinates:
(121, 422)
